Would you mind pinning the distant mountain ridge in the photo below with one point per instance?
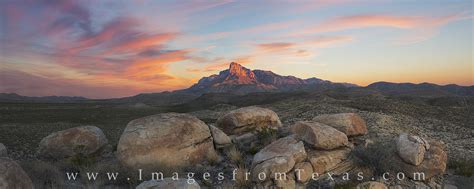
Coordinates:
(238, 80)
(422, 89)
(13, 97)
(241, 80)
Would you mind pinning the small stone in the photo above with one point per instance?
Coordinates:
(3, 150)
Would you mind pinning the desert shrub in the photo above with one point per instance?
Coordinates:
(254, 148)
(80, 161)
(240, 178)
(43, 174)
(267, 135)
(462, 167)
(376, 156)
(234, 155)
(213, 158)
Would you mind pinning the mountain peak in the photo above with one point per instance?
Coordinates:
(239, 79)
(234, 65)
(235, 68)
(240, 75)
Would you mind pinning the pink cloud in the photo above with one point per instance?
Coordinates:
(326, 41)
(430, 25)
(272, 47)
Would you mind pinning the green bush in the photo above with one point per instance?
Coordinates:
(267, 136)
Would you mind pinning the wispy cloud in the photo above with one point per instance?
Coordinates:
(116, 45)
(272, 47)
(428, 24)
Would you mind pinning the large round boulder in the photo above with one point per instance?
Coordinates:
(171, 140)
(283, 147)
(248, 119)
(411, 148)
(12, 175)
(434, 163)
(325, 160)
(319, 135)
(279, 156)
(349, 123)
(85, 140)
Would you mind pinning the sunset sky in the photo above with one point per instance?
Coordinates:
(103, 49)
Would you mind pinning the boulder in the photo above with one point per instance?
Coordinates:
(303, 172)
(283, 147)
(3, 150)
(248, 119)
(12, 175)
(323, 161)
(168, 183)
(411, 148)
(434, 162)
(371, 185)
(85, 140)
(244, 139)
(285, 183)
(271, 167)
(169, 140)
(319, 135)
(349, 123)
(279, 157)
(220, 138)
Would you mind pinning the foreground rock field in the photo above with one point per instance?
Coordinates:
(320, 142)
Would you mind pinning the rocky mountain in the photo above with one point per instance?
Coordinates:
(240, 80)
(422, 89)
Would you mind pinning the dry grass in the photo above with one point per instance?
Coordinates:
(213, 158)
(241, 178)
(111, 167)
(234, 155)
(376, 157)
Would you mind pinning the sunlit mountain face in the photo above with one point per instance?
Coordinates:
(106, 49)
(240, 80)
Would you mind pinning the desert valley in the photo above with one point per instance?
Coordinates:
(312, 132)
